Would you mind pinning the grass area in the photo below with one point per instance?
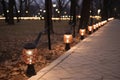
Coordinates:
(13, 38)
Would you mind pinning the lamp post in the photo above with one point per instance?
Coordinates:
(90, 29)
(68, 38)
(82, 33)
(54, 6)
(29, 56)
(97, 26)
(99, 12)
(94, 28)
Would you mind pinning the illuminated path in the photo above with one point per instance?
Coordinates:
(95, 58)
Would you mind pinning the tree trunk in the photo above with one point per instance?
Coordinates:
(91, 13)
(73, 15)
(5, 11)
(17, 13)
(85, 13)
(48, 16)
(106, 9)
(27, 8)
(48, 20)
(59, 6)
(62, 6)
(21, 8)
(11, 15)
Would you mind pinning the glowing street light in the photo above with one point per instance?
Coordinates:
(82, 33)
(90, 29)
(97, 26)
(18, 11)
(7, 11)
(44, 11)
(26, 11)
(54, 5)
(56, 9)
(40, 10)
(29, 56)
(68, 38)
(94, 27)
(99, 11)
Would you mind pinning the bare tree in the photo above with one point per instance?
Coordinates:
(26, 7)
(11, 15)
(62, 4)
(4, 10)
(72, 21)
(21, 8)
(106, 9)
(48, 20)
(85, 13)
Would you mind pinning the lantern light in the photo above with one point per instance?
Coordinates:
(26, 11)
(94, 27)
(54, 5)
(68, 38)
(18, 11)
(97, 26)
(29, 56)
(82, 33)
(90, 28)
(7, 11)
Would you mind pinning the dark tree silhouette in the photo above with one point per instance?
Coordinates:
(85, 13)
(21, 8)
(106, 9)
(62, 5)
(91, 13)
(5, 10)
(48, 20)
(73, 16)
(26, 7)
(48, 16)
(10, 14)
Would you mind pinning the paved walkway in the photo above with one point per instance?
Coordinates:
(97, 57)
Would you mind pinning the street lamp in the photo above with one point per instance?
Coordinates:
(7, 11)
(99, 12)
(56, 10)
(97, 26)
(18, 11)
(26, 12)
(82, 33)
(94, 28)
(44, 11)
(29, 56)
(68, 38)
(40, 10)
(90, 29)
(54, 5)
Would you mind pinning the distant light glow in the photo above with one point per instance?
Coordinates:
(54, 5)
(26, 11)
(7, 11)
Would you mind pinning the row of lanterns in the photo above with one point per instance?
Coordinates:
(30, 52)
(68, 37)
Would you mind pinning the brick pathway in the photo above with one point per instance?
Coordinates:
(97, 57)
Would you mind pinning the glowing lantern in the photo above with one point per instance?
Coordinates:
(68, 38)
(90, 29)
(94, 27)
(29, 56)
(82, 33)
